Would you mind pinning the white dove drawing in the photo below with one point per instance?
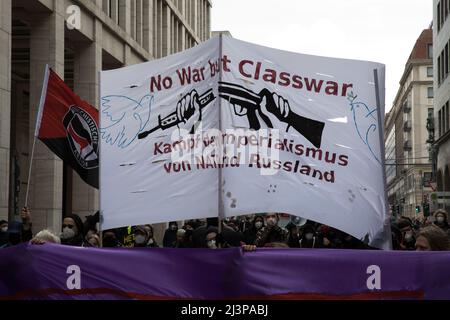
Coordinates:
(123, 118)
(366, 123)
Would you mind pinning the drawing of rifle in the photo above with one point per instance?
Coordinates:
(172, 119)
(238, 95)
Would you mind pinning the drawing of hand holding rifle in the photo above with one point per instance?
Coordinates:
(261, 107)
(257, 107)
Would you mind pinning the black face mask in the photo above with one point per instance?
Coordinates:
(110, 242)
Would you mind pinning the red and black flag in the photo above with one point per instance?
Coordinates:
(69, 127)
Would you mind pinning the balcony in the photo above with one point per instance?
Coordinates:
(406, 108)
(407, 126)
(407, 146)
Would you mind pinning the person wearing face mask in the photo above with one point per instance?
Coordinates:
(110, 239)
(151, 242)
(408, 237)
(140, 237)
(441, 220)
(170, 235)
(272, 232)
(72, 231)
(212, 238)
(250, 233)
(309, 237)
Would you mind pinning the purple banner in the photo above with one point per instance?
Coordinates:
(61, 272)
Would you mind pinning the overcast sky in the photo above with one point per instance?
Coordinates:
(383, 31)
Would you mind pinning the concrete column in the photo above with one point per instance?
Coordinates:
(46, 47)
(147, 27)
(5, 104)
(139, 22)
(114, 11)
(88, 62)
(166, 32)
(125, 15)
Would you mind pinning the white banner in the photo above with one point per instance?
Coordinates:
(296, 134)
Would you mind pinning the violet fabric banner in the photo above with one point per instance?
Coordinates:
(61, 272)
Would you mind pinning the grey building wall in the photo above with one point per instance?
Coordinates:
(112, 34)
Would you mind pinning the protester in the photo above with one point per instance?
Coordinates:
(92, 239)
(14, 233)
(26, 232)
(250, 233)
(110, 239)
(408, 237)
(432, 238)
(294, 235)
(170, 235)
(45, 236)
(212, 239)
(246, 223)
(271, 232)
(72, 231)
(441, 219)
(141, 237)
(151, 242)
(199, 233)
(309, 237)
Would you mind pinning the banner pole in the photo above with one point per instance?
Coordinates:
(387, 228)
(29, 172)
(220, 182)
(100, 212)
(36, 131)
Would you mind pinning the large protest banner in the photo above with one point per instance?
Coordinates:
(62, 272)
(229, 128)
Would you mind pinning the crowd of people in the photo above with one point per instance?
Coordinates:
(249, 232)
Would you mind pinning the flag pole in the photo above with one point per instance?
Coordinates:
(220, 182)
(100, 212)
(36, 131)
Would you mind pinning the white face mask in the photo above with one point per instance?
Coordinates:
(271, 222)
(68, 233)
(408, 236)
(258, 224)
(440, 219)
(139, 239)
(212, 244)
(173, 227)
(309, 236)
(4, 229)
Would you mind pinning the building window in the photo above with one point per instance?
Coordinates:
(447, 117)
(430, 94)
(430, 72)
(446, 60)
(430, 50)
(439, 16)
(439, 70)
